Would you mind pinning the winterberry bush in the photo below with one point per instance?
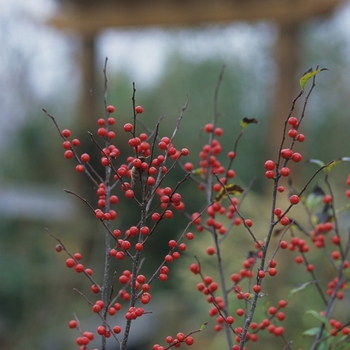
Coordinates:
(238, 305)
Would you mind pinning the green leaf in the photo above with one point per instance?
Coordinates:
(311, 332)
(317, 161)
(325, 215)
(308, 75)
(325, 345)
(299, 288)
(331, 164)
(319, 317)
(203, 326)
(345, 346)
(198, 171)
(314, 197)
(246, 121)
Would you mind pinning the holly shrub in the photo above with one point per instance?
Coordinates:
(302, 225)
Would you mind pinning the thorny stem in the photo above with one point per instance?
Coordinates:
(107, 261)
(332, 299)
(71, 255)
(103, 317)
(209, 194)
(272, 224)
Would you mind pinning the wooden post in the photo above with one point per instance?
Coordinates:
(286, 82)
(88, 96)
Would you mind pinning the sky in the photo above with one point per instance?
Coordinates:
(37, 60)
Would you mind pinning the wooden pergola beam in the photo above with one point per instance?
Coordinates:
(95, 16)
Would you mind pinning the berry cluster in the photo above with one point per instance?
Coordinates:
(139, 179)
(176, 342)
(145, 169)
(257, 265)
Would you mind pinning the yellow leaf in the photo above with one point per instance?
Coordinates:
(245, 121)
(308, 75)
(230, 189)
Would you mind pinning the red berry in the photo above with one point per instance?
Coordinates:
(272, 310)
(210, 250)
(85, 157)
(102, 132)
(218, 131)
(249, 222)
(261, 273)
(66, 145)
(292, 133)
(180, 336)
(89, 271)
(128, 127)
(283, 245)
(144, 230)
(278, 212)
(296, 157)
(99, 214)
(139, 109)
(335, 255)
(240, 312)
(101, 122)
(113, 199)
(72, 324)
(75, 142)
(231, 174)
(169, 339)
(96, 308)
(80, 168)
(110, 109)
(293, 121)
(70, 262)
(79, 268)
(209, 127)
(281, 316)
(270, 165)
(117, 329)
(111, 121)
(129, 193)
(278, 331)
(101, 330)
(68, 154)
(282, 303)
(95, 289)
(294, 199)
(156, 216)
(272, 271)
(188, 166)
(286, 153)
(231, 155)
(285, 171)
(310, 268)
(336, 240)
(327, 199)
(256, 288)
(111, 135)
(58, 248)
(66, 133)
(280, 189)
(285, 221)
(185, 152)
(300, 137)
(269, 174)
(298, 259)
(189, 340)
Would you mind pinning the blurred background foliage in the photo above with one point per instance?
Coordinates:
(36, 296)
